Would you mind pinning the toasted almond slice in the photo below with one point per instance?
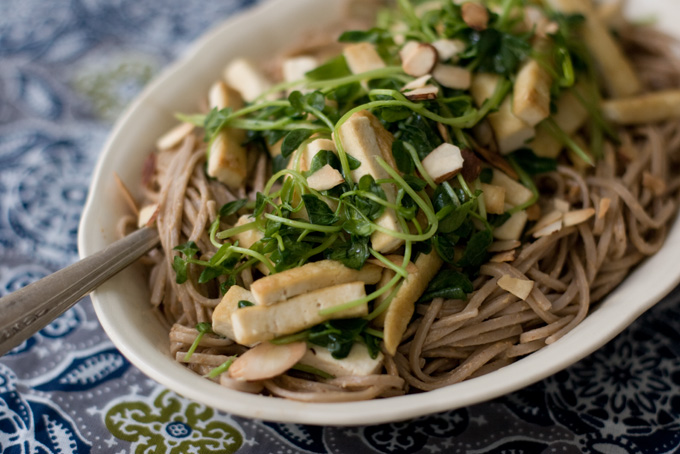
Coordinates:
(147, 215)
(549, 229)
(420, 82)
(446, 137)
(175, 136)
(561, 205)
(502, 246)
(448, 48)
(548, 219)
(253, 387)
(452, 76)
(325, 178)
(475, 15)
(127, 195)
(521, 288)
(426, 93)
(653, 183)
(494, 198)
(444, 162)
(603, 207)
(506, 256)
(472, 165)
(267, 360)
(577, 216)
(418, 59)
(534, 212)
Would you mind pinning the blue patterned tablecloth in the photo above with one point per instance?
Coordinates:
(67, 68)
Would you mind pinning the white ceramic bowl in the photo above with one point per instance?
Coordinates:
(122, 303)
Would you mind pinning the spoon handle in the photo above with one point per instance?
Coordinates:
(28, 310)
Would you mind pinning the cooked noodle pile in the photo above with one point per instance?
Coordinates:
(633, 190)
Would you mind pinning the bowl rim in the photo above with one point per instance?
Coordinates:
(523, 372)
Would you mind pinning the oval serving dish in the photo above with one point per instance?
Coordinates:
(122, 303)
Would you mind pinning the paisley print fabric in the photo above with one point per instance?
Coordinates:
(67, 69)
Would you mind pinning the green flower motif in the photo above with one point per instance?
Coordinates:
(172, 426)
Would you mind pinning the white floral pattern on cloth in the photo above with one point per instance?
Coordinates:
(67, 70)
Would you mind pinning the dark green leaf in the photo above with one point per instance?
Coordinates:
(260, 204)
(189, 249)
(318, 211)
(204, 328)
(279, 163)
(354, 163)
(402, 157)
(445, 247)
(456, 217)
(244, 303)
(338, 336)
(332, 69)
(372, 344)
(356, 224)
(414, 182)
(533, 164)
(370, 208)
(486, 175)
(322, 158)
(448, 284)
(211, 272)
(232, 207)
(226, 285)
(180, 267)
(316, 99)
(293, 141)
(476, 250)
(214, 122)
(353, 253)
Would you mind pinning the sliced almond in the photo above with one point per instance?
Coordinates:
(418, 59)
(267, 360)
(444, 162)
(577, 216)
(502, 246)
(548, 219)
(534, 212)
(472, 166)
(521, 288)
(426, 93)
(448, 48)
(506, 256)
(475, 15)
(325, 178)
(239, 385)
(175, 136)
(127, 195)
(653, 183)
(494, 198)
(420, 82)
(147, 215)
(452, 76)
(603, 207)
(446, 137)
(561, 205)
(549, 229)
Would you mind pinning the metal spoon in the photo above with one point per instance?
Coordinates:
(28, 310)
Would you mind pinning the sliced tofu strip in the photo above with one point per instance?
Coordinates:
(515, 193)
(364, 137)
(616, 69)
(511, 132)
(362, 57)
(244, 76)
(260, 323)
(357, 363)
(570, 117)
(309, 277)
(227, 161)
(221, 319)
(648, 108)
(397, 316)
(531, 95)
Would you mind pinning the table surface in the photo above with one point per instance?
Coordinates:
(67, 69)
